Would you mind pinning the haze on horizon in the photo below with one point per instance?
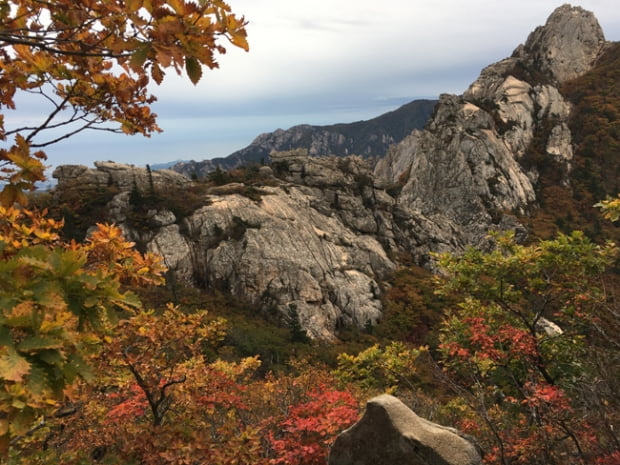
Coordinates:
(325, 62)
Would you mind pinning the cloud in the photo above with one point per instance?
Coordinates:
(322, 47)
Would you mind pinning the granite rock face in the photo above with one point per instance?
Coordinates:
(283, 253)
(324, 231)
(122, 176)
(318, 238)
(312, 240)
(390, 433)
(466, 168)
(566, 46)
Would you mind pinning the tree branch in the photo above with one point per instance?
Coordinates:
(38, 43)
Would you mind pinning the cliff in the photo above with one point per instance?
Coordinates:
(468, 167)
(319, 235)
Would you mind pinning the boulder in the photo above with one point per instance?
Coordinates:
(390, 433)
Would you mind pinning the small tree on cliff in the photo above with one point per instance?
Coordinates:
(610, 208)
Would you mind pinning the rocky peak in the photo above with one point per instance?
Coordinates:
(566, 46)
(467, 168)
(319, 234)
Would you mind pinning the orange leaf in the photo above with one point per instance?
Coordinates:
(157, 74)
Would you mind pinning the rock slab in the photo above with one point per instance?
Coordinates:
(390, 433)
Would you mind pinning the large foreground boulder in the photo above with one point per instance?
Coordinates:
(389, 433)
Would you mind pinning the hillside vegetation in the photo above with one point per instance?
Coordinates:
(595, 174)
(106, 357)
(517, 347)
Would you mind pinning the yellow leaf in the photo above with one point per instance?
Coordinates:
(4, 427)
(13, 367)
(178, 6)
(18, 404)
(132, 6)
(239, 39)
(12, 194)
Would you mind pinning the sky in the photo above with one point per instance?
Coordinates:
(323, 62)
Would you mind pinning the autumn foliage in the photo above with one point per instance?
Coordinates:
(160, 399)
(89, 64)
(528, 350)
(522, 340)
(310, 427)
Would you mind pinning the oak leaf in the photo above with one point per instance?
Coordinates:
(13, 367)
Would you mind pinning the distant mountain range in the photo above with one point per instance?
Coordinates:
(369, 139)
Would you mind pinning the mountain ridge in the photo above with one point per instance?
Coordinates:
(320, 234)
(368, 138)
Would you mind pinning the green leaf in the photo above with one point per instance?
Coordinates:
(91, 301)
(37, 380)
(13, 367)
(51, 357)
(5, 337)
(76, 366)
(46, 293)
(131, 299)
(23, 422)
(139, 56)
(194, 69)
(37, 343)
(67, 262)
(20, 321)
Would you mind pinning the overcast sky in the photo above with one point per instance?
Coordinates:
(326, 61)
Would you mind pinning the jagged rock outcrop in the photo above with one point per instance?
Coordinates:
(311, 241)
(345, 187)
(318, 234)
(369, 138)
(316, 239)
(122, 176)
(390, 433)
(467, 168)
(282, 253)
(566, 46)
